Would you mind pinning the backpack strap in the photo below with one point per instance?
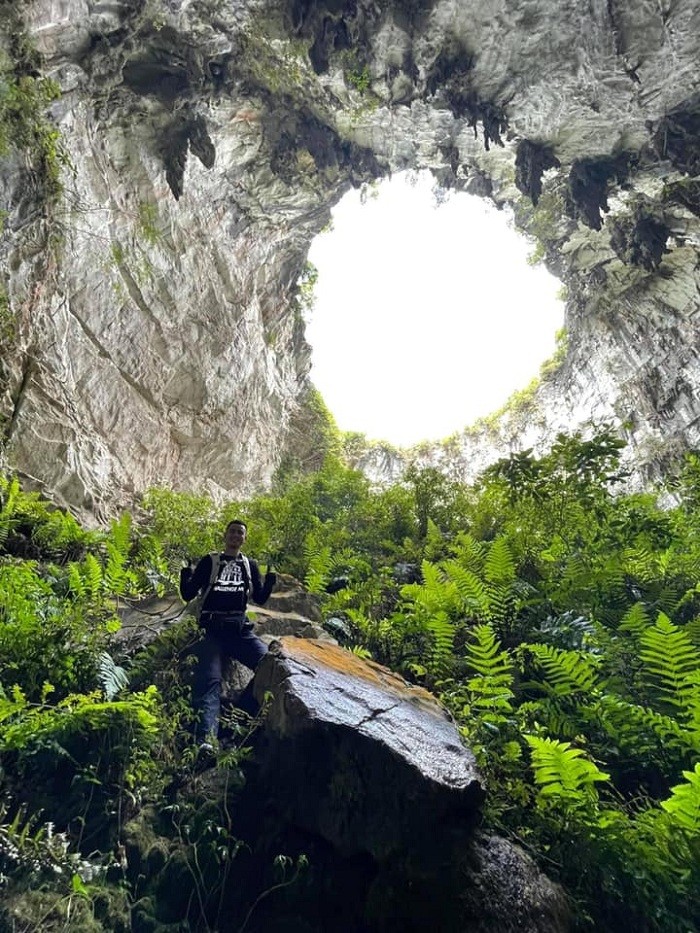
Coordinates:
(249, 575)
(215, 561)
(215, 558)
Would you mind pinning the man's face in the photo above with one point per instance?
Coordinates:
(234, 536)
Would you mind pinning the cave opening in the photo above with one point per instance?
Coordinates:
(429, 311)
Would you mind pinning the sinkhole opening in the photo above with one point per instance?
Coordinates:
(427, 314)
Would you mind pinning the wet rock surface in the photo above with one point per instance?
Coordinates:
(370, 774)
(349, 729)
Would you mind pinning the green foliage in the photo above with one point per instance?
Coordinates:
(684, 803)
(24, 100)
(568, 672)
(31, 527)
(360, 79)
(184, 522)
(562, 771)
(672, 668)
(82, 758)
(147, 223)
(558, 620)
(490, 687)
(306, 287)
(43, 637)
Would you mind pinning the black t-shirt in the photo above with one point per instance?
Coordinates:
(230, 590)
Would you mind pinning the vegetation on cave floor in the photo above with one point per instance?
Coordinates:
(559, 622)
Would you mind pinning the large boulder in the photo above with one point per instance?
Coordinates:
(342, 731)
(371, 771)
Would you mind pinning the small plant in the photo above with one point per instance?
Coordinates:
(360, 79)
(147, 223)
(24, 99)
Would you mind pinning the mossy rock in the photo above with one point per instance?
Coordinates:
(47, 909)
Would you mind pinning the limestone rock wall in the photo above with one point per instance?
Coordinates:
(157, 336)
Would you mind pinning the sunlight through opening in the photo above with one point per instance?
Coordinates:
(427, 314)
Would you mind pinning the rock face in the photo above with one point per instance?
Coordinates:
(347, 730)
(156, 335)
(353, 755)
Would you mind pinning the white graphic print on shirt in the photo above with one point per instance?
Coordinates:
(230, 578)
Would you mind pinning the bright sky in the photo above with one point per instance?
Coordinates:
(426, 316)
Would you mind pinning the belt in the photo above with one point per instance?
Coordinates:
(235, 617)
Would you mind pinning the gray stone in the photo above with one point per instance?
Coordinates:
(350, 729)
(158, 340)
(352, 755)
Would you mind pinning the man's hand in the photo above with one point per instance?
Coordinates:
(270, 578)
(186, 572)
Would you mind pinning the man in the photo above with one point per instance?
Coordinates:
(224, 582)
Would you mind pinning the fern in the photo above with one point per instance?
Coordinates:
(112, 678)
(553, 716)
(635, 620)
(76, 582)
(684, 802)
(671, 662)
(469, 552)
(637, 727)
(562, 771)
(471, 590)
(568, 672)
(118, 546)
(93, 576)
(9, 491)
(442, 634)
(491, 686)
(434, 594)
(641, 563)
(319, 563)
(692, 629)
(499, 566)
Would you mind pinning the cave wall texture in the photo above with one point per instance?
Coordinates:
(158, 338)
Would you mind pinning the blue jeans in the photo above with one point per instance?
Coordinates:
(226, 636)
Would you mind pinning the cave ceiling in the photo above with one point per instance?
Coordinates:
(208, 141)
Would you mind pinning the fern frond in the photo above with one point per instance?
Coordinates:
(442, 633)
(501, 602)
(671, 662)
(112, 678)
(636, 727)
(567, 671)
(318, 559)
(563, 771)
(120, 535)
(499, 566)
(8, 497)
(635, 620)
(641, 563)
(434, 595)
(692, 629)
(491, 687)
(684, 802)
(75, 581)
(668, 598)
(484, 654)
(115, 573)
(471, 590)
(469, 552)
(553, 717)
